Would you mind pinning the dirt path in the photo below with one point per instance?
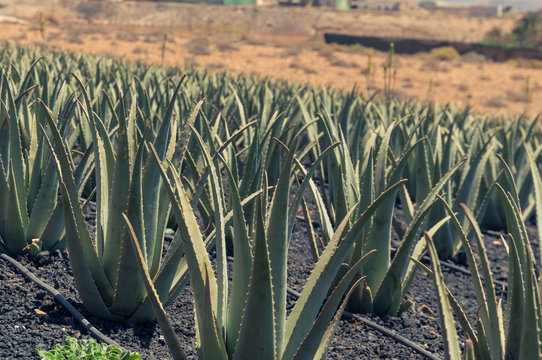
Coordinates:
(494, 88)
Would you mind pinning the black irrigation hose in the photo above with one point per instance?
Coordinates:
(389, 333)
(393, 335)
(58, 297)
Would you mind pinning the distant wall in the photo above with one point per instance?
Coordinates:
(413, 46)
(214, 2)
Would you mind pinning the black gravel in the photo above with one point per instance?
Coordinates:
(31, 319)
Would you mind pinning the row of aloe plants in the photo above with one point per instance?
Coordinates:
(510, 330)
(133, 142)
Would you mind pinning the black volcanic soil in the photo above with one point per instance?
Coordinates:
(31, 319)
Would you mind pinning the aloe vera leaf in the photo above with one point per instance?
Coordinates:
(325, 221)
(104, 164)
(4, 195)
(339, 184)
(37, 161)
(483, 346)
(128, 298)
(537, 184)
(258, 330)
(228, 217)
(317, 341)
(423, 177)
(200, 198)
(143, 97)
(93, 285)
(376, 267)
(387, 295)
(45, 202)
(515, 300)
(324, 273)
(15, 141)
(84, 170)
(240, 106)
(16, 160)
(516, 227)
(470, 188)
(350, 175)
(53, 236)
(451, 339)
(366, 176)
(465, 325)
(277, 242)
(468, 350)
(251, 166)
(381, 161)
(486, 200)
(172, 340)
(406, 202)
(231, 139)
(489, 320)
(23, 87)
(53, 232)
(155, 209)
(468, 194)
(118, 201)
(494, 328)
(242, 264)
(209, 338)
(170, 279)
(15, 237)
(220, 239)
(530, 346)
(379, 238)
(510, 179)
(460, 314)
(367, 196)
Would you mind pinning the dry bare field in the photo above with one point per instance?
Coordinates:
(300, 56)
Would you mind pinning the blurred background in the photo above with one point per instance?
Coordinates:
(487, 55)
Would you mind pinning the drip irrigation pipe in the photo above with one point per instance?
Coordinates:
(398, 338)
(58, 297)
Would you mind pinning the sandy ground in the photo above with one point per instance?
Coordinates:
(494, 88)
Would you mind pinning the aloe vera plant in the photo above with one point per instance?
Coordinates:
(387, 279)
(510, 333)
(28, 179)
(452, 349)
(254, 322)
(126, 181)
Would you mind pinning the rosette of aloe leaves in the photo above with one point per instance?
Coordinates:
(254, 323)
(127, 181)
